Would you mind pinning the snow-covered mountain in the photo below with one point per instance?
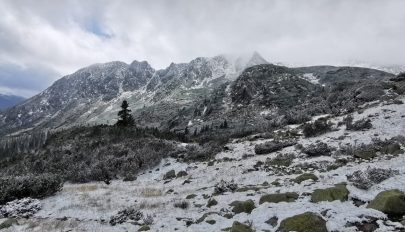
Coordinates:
(93, 94)
(7, 101)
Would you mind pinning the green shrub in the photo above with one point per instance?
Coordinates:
(320, 126)
(38, 186)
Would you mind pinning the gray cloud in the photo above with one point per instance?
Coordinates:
(61, 37)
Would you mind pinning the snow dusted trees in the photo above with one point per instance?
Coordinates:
(125, 117)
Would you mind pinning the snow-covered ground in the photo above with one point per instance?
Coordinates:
(88, 207)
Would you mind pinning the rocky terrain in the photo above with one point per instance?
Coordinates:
(219, 144)
(354, 182)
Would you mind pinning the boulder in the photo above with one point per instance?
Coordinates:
(144, 228)
(306, 222)
(169, 175)
(339, 192)
(9, 222)
(240, 227)
(243, 206)
(211, 202)
(391, 202)
(304, 177)
(181, 174)
(279, 197)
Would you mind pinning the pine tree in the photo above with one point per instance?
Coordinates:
(125, 117)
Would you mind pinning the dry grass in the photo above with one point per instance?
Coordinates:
(82, 188)
(151, 192)
(151, 205)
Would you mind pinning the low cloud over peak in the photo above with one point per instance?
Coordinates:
(48, 39)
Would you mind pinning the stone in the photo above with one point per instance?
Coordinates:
(144, 228)
(279, 197)
(240, 227)
(304, 177)
(306, 222)
(169, 175)
(391, 202)
(243, 206)
(339, 192)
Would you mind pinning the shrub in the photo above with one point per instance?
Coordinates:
(225, 186)
(202, 152)
(148, 220)
(317, 149)
(18, 187)
(272, 146)
(181, 204)
(362, 124)
(366, 179)
(281, 160)
(24, 208)
(320, 126)
(125, 215)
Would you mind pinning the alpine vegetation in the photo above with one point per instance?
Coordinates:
(221, 143)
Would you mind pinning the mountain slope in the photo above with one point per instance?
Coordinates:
(203, 92)
(93, 94)
(7, 101)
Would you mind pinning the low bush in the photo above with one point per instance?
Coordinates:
(22, 208)
(181, 204)
(34, 186)
(281, 160)
(225, 186)
(272, 146)
(362, 124)
(202, 152)
(318, 149)
(125, 215)
(367, 178)
(320, 126)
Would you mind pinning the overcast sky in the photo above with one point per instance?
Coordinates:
(40, 41)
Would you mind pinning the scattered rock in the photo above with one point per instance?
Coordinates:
(306, 222)
(339, 192)
(228, 215)
(9, 222)
(211, 202)
(304, 177)
(169, 175)
(272, 221)
(181, 174)
(225, 186)
(366, 226)
(212, 222)
(191, 196)
(391, 202)
(240, 227)
(144, 228)
(279, 197)
(243, 206)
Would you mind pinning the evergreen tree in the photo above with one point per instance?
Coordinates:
(125, 117)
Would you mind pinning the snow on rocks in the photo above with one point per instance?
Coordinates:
(91, 205)
(23, 208)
